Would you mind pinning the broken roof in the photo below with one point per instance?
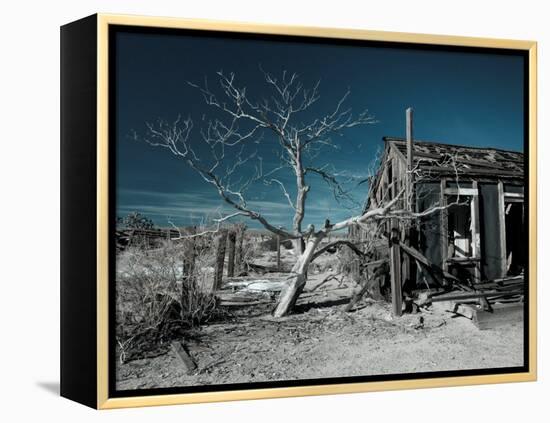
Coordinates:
(439, 158)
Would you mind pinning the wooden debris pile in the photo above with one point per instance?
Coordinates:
(246, 291)
(489, 304)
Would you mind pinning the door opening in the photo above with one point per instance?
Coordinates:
(515, 247)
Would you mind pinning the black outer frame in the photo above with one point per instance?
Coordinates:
(79, 211)
(79, 114)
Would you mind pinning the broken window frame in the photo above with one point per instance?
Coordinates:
(475, 259)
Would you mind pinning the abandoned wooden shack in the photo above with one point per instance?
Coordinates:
(476, 233)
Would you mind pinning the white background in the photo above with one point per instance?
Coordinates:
(29, 239)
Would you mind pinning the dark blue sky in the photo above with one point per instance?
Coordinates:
(458, 98)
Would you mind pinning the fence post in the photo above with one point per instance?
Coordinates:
(220, 259)
(188, 270)
(231, 239)
(239, 248)
(278, 253)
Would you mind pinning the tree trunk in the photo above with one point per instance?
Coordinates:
(299, 246)
(301, 195)
(297, 281)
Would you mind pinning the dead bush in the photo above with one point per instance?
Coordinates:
(158, 294)
(327, 263)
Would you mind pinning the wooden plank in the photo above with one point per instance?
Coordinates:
(497, 287)
(461, 191)
(461, 160)
(184, 356)
(464, 260)
(465, 310)
(501, 282)
(501, 315)
(513, 195)
(476, 237)
(452, 171)
(419, 257)
(473, 294)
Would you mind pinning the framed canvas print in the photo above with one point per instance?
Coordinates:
(254, 211)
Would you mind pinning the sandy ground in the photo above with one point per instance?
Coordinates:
(321, 341)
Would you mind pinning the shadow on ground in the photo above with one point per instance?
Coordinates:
(51, 387)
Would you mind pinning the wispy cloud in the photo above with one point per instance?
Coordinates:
(195, 206)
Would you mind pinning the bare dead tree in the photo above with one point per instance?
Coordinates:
(232, 165)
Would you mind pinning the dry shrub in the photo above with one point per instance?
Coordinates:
(327, 263)
(156, 296)
(252, 249)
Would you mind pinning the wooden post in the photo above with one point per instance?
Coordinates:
(220, 259)
(278, 252)
(395, 272)
(239, 248)
(502, 230)
(407, 270)
(476, 237)
(409, 179)
(188, 272)
(443, 225)
(231, 239)
(189, 257)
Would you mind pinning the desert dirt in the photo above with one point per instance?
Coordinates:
(320, 340)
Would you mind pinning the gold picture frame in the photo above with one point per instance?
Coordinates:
(99, 28)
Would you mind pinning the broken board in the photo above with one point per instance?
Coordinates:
(501, 315)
